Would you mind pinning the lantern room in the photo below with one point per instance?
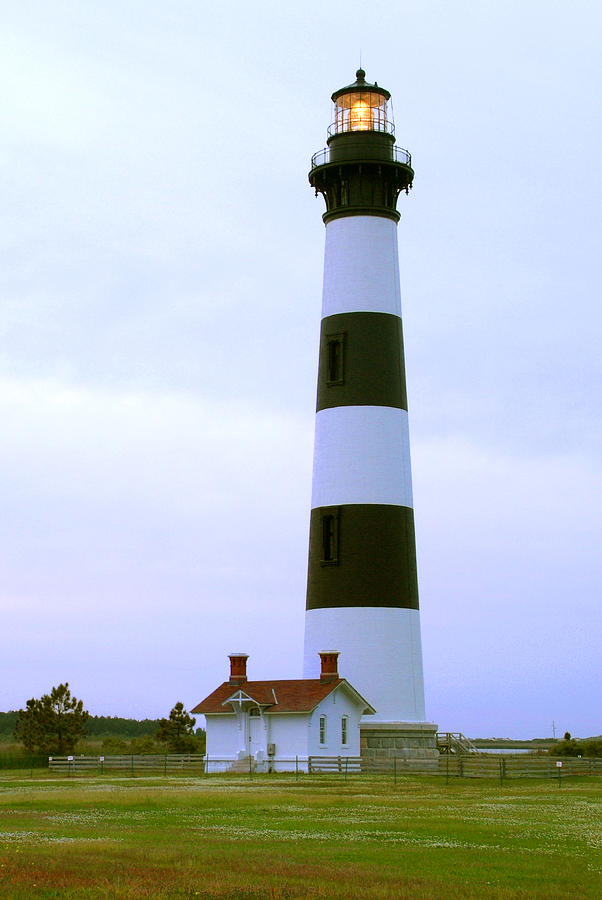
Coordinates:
(361, 168)
(361, 107)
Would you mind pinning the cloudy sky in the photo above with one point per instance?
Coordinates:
(160, 303)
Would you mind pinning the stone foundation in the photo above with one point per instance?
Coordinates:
(414, 742)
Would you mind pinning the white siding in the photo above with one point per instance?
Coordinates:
(290, 735)
(225, 736)
(334, 707)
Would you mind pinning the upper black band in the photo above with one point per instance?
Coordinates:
(371, 361)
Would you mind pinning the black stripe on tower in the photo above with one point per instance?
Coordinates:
(362, 555)
(361, 361)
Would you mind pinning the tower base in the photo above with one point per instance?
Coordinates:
(413, 742)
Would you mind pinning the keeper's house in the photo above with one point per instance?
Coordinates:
(280, 724)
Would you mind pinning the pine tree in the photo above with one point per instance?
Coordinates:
(177, 731)
(53, 724)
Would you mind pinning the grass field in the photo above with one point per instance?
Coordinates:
(318, 837)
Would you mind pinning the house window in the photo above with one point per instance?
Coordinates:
(322, 729)
(344, 721)
(254, 711)
(330, 537)
(335, 358)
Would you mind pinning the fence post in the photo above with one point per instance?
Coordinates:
(165, 766)
(250, 767)
(132, 764)
(447, 768)
(296, 768)
(346, 765)
(460, 765)
(394, 770)
(501, 771)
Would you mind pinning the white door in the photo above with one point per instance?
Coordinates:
(255, 734)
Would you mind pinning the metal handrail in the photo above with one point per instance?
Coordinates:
(322, 157)
(454, 741)
(338, 128)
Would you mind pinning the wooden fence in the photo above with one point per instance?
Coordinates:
(341, 764)
(181, 762)
(473, 765)
(489, 765)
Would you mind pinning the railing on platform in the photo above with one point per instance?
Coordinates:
(454, 742)
(322, 157)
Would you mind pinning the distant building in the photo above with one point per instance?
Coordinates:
(279, 724)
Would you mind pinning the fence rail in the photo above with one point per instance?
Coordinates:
(487, 765)
(128, 762)
(334, 764)
(470, 765)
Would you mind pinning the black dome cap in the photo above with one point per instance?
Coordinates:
(360, 84)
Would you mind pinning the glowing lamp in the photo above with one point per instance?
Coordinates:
(360, 116)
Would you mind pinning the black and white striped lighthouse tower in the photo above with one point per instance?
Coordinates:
(362, 592)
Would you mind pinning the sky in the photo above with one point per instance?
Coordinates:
(160, 296)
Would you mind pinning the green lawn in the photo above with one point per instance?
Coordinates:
(318, 837)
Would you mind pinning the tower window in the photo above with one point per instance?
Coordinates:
(330, 537)
(322, 729)
(335, 358)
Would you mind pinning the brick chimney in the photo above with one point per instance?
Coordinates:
(329, 671)
(238, 667)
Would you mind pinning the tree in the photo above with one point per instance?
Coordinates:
(569, 746)
(177, 731)
(114, 746)
(53, 724)
(144, 745)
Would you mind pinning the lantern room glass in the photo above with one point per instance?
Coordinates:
(361, 111)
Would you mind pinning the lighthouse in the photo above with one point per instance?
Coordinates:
(362, 589)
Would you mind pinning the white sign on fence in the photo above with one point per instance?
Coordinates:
(559, 764)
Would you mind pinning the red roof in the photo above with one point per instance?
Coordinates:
(294, 696)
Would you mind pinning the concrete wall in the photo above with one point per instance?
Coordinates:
(410, 741)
